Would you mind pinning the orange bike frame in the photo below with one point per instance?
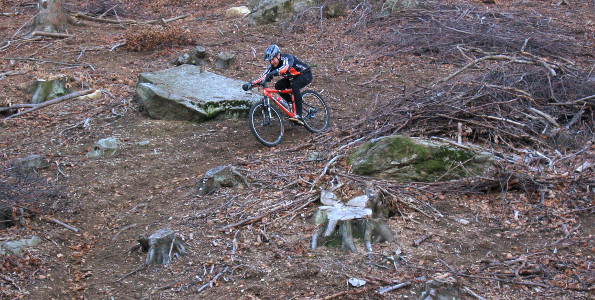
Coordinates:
(269, 93)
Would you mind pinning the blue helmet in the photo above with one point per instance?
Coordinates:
(271, 52)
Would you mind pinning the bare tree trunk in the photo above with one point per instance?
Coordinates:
(51, 17)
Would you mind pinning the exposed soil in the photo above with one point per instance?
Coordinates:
(112, 200)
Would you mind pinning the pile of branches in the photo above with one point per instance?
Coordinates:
(509, 100)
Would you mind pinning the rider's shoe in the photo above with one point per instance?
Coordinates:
(297, 119)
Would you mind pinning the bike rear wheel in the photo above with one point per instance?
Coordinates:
(266, 124)
(315, 112)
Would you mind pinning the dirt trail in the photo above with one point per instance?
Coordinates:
(143, 188)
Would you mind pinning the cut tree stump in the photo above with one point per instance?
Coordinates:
(160, 247)
(52, 17)
(355, 217)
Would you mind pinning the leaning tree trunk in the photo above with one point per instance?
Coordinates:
(51, 17)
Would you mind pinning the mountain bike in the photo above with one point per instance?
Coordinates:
(266, 116)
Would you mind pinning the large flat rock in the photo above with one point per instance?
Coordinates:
(187, 93)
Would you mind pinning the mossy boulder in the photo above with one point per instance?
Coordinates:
(406, 159)
(271, 11)
(186, 93)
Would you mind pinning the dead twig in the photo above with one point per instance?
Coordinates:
(140, 268)
(348, 292)
(11, 281)
(120, 231)
(12, 73)
(393, 287)
(566, 236)
(210, 283)
(53, 220)
(53, 101)
(472, 293)
(251, 220)
(332, 161)
(533, 60)
(410, 205)
(422, 239)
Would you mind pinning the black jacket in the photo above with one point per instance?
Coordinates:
(290, 67)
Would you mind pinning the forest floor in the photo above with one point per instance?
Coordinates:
(507, 247)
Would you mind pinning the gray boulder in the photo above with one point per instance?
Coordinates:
(30, 163)
(222, 176)
(408, 159)
(194, 56)
(104, 147)
(17, 247)
(186, 93)
(269, 11)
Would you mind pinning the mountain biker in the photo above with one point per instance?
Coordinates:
(296, 75)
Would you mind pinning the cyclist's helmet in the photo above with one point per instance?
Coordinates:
(271, 52)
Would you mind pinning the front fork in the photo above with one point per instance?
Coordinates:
(266, 114)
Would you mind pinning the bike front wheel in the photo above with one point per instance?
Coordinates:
(315, 112)
(266, 124)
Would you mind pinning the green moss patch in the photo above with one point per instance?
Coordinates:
(405, 159)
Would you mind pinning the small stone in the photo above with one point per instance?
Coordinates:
(104, 147)
(236, 12)
(356, 282)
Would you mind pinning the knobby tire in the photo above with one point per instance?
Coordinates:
(266, 124)
(315, 112)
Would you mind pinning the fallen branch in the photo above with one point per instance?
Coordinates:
(566, 236)
(103, 20)
(62, 224)
(210, 283)
(251, 220)
(472, 293)
(422, 239)
(11, 73)
(140, 268)
(410, 205)
(533, 60)
(47, 61)
(394, 287)
(51, 34)
(294, 212)
(120, 231)
(332, 161)
(545, 116)
(348, 292)
(17, 106)
(589, 100)
(53, 101)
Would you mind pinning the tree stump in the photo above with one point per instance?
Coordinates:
(160, 246)
(51, 17)
(224, 60)
(359, 216)
(195, 56)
